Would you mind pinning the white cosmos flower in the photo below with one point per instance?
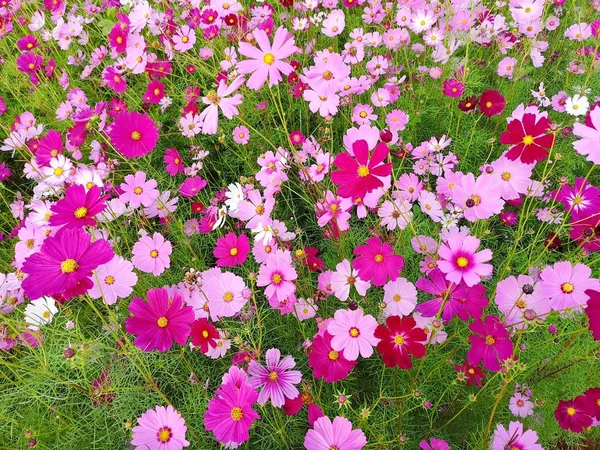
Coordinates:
(40, 312)
(577, 105)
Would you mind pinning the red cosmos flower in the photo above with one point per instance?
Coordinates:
(377, 261)
(468, 104)
(473, 374)
(593, 312)
(204, 334)
(312, 261)
(528, 137)
(491, 103)
(592, 396)
(398, 340)
(574, 415)
(359, 175)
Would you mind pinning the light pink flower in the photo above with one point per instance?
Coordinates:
(113, 280)
(353, 333)
(151, 255)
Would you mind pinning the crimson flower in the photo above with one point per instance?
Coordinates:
(473, 374)
(399, 340)
(574, 415)
(490, 343)
(491, 103)
(528, 138)
(359, 175)
(593, 312)
(204, 334)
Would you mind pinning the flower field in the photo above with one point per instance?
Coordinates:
(318, 224)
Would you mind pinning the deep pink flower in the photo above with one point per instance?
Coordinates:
(114, 80)
(327, 363)
(160, 321)
(229, 414)
(64, 264)
(359, 175)
(231, 250)
(490, 343)
(453, 88)
(275, 380)
(446, 293)
(593, 312)
(78, 208)
(377, 262)
(191, 186)
(278, 274)
(339, 435)
(173, 161)
(460, 260)
(50, 146)
(133, 134)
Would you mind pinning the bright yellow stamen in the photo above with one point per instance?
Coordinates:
(136, 136)
(378, 258)
(227, 297)
(489, 340)
(269, 59)
(399, 340)
(363, 171)
(69, 266)
(273, 376)
(462, 262)
(81, 212)
(567, 288)
(528, 140)
(233, 251)
(354, 332)
(237, 414)
(333, 355)
(164, 435)
(162, 322)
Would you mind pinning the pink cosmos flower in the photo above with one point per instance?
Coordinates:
(460, 260)
(565, 285)
(173, 161)
(151, 254)
(254, 210)
(514, 177)
(160, 429)
(353, 333)
(453, 88)
(275, 380)
(377, 262)
(506, 67)
(334, 208)
(344, 278)
(184, 38)
(114, 80)
(137, 191)
(278, 274)
(359, 175)
(434, 444)
(229, 414)
(241, 135)
(400, 297)
(581, 200)
(339, 435)
(327, 363)
(225, 292)
(133, 134)
(191, 186)
(479, 198)
(266, 61)
(159, 322)
(490, 343)
(220, 99)
(231, 250)
(521, 300)
(113, 280)
(63, 265)
(78, 208)
(520, 405)
(589, 132)
(515, 437)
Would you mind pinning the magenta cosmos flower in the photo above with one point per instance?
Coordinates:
(339, 435)
(231, 250)
(277, 274)
(78, 208)
(276, 380)
(266, 61)
(460, 260)
(565, 284)
(160, 429)
(353, 333)
(229, 414)
(64, 264)
(377, 262)
(173, 162)
(361, 174)
(133, 134)
(159, 322)
(326, 362)
(490, 343)
(151, 254)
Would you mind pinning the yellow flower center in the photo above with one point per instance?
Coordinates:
(506, 176)
(333, 355)
(260, 210)
(233, 251)
(228, 296)
(53, 153)
(378, 258)
(29, 243)
(109, 280)
(571, 411)
(276, 278)
(81, 212)
(578, 200)
(363, 171)
(269, 59)
(528, 140)
(184, 39)
(237, 414)
(462, 262)
(162, 322)
(399, 340)
(521, 304)
(136, 136)
(567, 288)
(354, 332)
(58, 171)
(138, 190)
(154, 254)
(46, 314)
(489, 340)
(273, 376)
(204, 334)
(488, 104)
(164, 435)
(69, 266)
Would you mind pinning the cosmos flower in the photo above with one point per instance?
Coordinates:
(160, 429)
(460, 260)
(339, 435)
(151, 254)
(275, 380)
(327, 363)
(527, 134)
(78, 207)
(231, 250)
(353, 333)
(490, 343)
(133, 134)
(377, 262)
(399, 339)
(515, 437)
